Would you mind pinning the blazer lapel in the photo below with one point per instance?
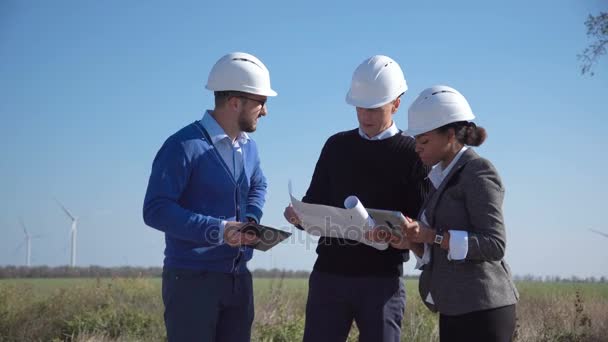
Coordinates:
(428, 198)
(467, 156)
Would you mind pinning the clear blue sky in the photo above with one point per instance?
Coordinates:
(89, 90)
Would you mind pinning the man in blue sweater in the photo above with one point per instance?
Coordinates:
(205, 182)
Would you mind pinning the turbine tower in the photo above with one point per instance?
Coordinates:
(73, 232)
(28, 245)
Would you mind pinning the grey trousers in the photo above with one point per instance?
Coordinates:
(376, 304)
(207, 306)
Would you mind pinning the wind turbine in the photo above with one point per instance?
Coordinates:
(598, 232)
(28, 243)
(73, 231)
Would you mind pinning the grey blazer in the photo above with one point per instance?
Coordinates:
(470, 198)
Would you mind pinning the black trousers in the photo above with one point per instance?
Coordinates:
(488, 325)
(376, 304)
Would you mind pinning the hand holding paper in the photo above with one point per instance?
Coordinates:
(291, 216)
(351, 222)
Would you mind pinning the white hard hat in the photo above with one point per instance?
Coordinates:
(435, 107)
(239, 71)
(376, 82)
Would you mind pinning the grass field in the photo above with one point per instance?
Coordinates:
(131, 310)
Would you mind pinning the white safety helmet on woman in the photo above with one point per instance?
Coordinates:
(376, 82)
(435, 107)
(239, 71)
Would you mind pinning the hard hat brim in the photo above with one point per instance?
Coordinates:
(417, 131)
(254, 91)
(368, 105)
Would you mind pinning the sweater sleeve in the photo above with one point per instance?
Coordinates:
(317, 191)
(417, 190)
(420, 186)
(169, 177)
(257, 192)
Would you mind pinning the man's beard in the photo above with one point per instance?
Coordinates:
(245, 125)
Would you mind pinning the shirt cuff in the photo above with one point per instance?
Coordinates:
(459, 245)
(221, 232)
(426, 257)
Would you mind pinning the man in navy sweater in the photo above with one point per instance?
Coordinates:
(205, 182)
(377, 163)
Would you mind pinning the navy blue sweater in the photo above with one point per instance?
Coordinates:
(191, 190)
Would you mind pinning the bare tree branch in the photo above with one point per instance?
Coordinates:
(597, 29)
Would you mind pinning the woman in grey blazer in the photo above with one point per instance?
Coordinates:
(459, 237)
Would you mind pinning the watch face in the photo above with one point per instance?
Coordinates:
(438, 239)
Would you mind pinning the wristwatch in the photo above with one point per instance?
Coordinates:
(438, 239)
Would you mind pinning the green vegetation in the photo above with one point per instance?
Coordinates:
(130, 309)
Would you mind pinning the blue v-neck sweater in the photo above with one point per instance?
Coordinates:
(190, 192)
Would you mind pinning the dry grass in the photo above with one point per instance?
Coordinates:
(121, 310)
(562, 316)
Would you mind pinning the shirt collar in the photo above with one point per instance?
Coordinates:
(437, 174)
(217, 133)
(387, 133)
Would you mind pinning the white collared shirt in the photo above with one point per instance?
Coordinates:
(387, 133)
(231, 151)
(459, 239)
(438, 174)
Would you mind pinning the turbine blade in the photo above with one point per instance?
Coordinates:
(23, 226)
(19, 247)
(65, 210)
(598, 232)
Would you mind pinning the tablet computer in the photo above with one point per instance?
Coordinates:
(269, 237)
(390, 219)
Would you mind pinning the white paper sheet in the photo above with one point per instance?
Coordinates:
(350, 222)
